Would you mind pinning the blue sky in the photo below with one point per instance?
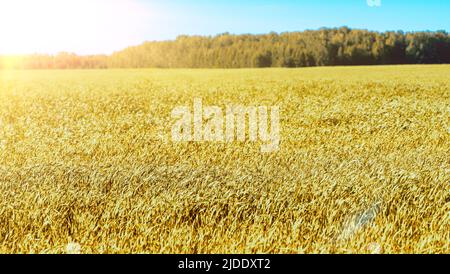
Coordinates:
(104, 26)
(261, 16)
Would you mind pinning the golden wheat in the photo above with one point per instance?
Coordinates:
(87, 164)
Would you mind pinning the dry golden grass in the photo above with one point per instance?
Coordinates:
(87, 164)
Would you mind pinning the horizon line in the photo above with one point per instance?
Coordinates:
(210, 36)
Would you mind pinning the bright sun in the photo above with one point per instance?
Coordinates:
(81, 26)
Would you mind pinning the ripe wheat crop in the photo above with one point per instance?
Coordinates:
(87, 163)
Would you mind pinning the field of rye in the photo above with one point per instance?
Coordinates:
(87, 164)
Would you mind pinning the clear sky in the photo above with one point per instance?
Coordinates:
(104, 26)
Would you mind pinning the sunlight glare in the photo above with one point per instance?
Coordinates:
(80, 26)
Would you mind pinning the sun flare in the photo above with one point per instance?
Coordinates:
(82, 26)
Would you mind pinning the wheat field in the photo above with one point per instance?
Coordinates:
(87, 164)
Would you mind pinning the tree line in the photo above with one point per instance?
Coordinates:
(324, 47)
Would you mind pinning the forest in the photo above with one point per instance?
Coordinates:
(324, 47)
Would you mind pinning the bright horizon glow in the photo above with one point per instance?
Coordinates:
(104, 26)
(82, 26)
